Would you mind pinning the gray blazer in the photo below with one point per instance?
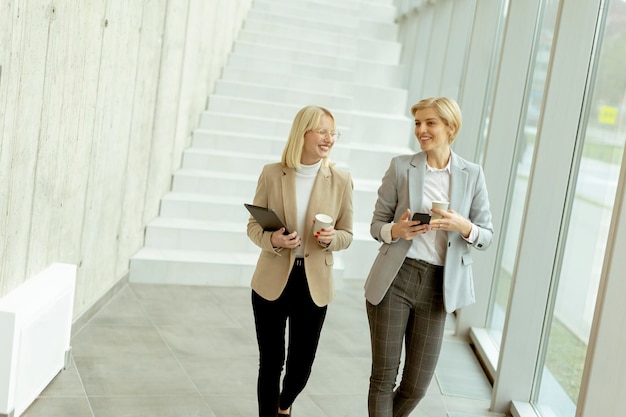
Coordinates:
(403, 187)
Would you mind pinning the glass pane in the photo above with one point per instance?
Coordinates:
(525, 144)
(596, 183)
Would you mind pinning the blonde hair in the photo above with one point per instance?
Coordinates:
(308, 118)
(446, 108)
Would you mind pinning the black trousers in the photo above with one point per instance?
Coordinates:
(305, 325)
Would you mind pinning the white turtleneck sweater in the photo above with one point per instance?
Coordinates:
(305, 178)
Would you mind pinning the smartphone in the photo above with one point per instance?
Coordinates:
(423, 218)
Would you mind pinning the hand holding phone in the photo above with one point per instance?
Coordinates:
(423, 218)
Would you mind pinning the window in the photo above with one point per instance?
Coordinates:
(525, 147)
(603, 145)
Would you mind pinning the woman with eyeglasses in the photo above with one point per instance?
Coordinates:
(293, 278)
(422, 270)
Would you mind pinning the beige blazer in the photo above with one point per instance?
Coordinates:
(403, 187)
(332, 195)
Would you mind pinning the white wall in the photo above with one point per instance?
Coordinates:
(97, 102)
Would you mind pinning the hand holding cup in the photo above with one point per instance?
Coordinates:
(323, 229)
(442, 205)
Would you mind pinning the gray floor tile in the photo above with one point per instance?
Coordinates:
(338, 405)
(242, 405)
(339, 376)
(59, 407)
(224, 377)
(67, 383)
(188, 340)
(124, 309)
(164, 406)
(459, 373)
(180, 351)
(106, 340)
(172, 305)
(133, 375)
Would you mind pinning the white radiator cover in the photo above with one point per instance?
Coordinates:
(35, 331)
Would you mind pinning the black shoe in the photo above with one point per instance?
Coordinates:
(285, 415)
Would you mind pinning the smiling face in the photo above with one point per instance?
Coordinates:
(316, 145)
(431, 131)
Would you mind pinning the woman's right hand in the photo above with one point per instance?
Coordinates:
(279, 240)
(407, 229)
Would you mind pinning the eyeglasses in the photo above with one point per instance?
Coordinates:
(323, 132)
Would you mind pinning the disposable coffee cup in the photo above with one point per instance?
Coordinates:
(443, 205)
(322, 221)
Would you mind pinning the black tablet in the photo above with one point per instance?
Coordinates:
(266, 217)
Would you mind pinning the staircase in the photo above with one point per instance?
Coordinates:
(290, 53)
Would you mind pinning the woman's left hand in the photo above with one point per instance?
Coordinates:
(325, 235)
(451, 221)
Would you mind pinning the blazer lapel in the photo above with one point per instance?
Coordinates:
(415, 180)
(288, 187)
(458, 182)
(319, 194)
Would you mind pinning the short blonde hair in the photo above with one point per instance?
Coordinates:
(446, 108)
(308, 118)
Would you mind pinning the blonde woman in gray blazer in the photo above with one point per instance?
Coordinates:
(293, 278)
(422, 271)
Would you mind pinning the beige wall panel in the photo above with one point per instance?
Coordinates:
(168, 99)
(199, 50)
(25, 76)
(112, 132)
(84, 21)
(6, 31)
(97, 99)
(56, 124)
(132, 226)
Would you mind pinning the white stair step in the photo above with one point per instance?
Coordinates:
(242, 123)
(241, 161)
(220, 103)
(381, 129)
(344, 21)
(373, 50)
(189, 234)
(253, 96)
(304, 34)
(271, 77)
(215, 183)
(376, 99)
(271, 110)
(318, 56)
(307, 69)
(167, 266)
(355, 27)
(369, 72)
(282, 94)
(345, 48)
(384, 11)
(316, 10)
(225, 140)
(202, 207)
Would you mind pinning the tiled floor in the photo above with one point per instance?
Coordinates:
(180, 351)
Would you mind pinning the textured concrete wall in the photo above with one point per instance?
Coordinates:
(97, 102)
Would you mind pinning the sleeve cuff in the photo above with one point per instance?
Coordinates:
(385, 232)
(473, 235)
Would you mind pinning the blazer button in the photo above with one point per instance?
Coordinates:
(306, 255)
(480, 245)
(449, 244)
